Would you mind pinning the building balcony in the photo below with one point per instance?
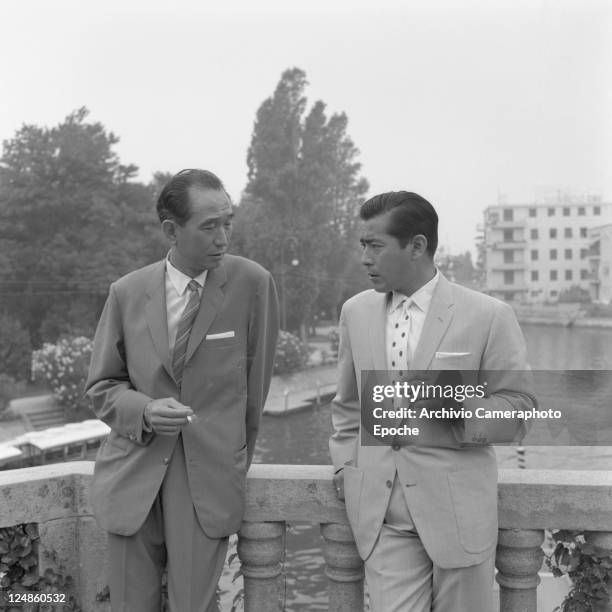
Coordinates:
(501, 287)
(509, 245)
(56, 498)
(514, 265)
(501, 224)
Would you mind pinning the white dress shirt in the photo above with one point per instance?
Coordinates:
(405, 324)
(177, 296)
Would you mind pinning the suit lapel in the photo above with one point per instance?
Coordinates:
(436, 323)
(156, 315)
(376, 321)
(212, 299)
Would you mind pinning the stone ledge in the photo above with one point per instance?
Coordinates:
(528, 499)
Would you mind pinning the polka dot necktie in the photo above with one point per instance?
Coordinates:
(400, 347)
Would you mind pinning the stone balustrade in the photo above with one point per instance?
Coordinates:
(55, 497)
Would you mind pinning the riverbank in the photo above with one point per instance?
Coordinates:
(561, 315)
(585, 322)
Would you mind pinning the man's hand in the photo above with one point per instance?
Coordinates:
(339, 484)
(166, 416)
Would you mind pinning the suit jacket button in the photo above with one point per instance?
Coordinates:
(166, 461)
(389, 483)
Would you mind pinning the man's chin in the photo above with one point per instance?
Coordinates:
(214, 261)
(378, 284)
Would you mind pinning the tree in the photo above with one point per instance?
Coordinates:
(457, 268)
(301, 199)
(71, 220)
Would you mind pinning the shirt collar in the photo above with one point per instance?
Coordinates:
(180, 280)
(421, 297)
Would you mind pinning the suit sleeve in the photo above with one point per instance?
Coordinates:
(345, 407)
(114, 399)
(509, 383)
(262, 336)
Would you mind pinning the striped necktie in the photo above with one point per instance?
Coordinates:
(183, 331)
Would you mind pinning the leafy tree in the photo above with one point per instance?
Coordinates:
(71, 220)
(15, 349)
(301, 200)
(457, 268)
(575, 293)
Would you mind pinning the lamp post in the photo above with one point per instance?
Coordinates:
(294, 262)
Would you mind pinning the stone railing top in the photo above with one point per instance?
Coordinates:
(528, 499)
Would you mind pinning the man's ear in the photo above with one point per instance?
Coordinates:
(419, 245)
(169, 229)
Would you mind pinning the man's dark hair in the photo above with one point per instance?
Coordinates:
(173, 201)
(411, 214)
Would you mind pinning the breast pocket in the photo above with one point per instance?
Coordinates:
(218, 343)
(452, 361)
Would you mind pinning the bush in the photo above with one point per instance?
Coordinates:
(9, 389)
(590, 569)
(334, 341)
(291, 354)
(575, 293)
(19, 569)
(15, 348)
(63, 366)
(64, 320)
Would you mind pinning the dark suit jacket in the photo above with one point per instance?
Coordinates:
(225, 382)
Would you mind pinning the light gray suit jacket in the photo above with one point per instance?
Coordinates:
(225, 382)
(450, 488)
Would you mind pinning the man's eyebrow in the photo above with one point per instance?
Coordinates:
(214, 218)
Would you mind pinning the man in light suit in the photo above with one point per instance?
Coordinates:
(423, 513)
(181, 366)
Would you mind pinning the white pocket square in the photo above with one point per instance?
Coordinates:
(227, 334)
(442, 354)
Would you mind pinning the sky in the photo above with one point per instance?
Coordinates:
(463, 102)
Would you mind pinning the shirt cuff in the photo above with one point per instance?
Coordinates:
(145, 426)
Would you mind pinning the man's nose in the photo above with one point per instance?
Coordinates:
(366, 258)
(221, 237)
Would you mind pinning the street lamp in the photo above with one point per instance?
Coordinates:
(294, 262)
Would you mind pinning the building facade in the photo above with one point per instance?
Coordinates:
(600, 259)
(533, 253)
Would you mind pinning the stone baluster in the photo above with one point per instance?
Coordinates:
(343, 568)
(261, 548)
(519, 559)
(601, 539)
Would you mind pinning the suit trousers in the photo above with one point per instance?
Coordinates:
(170, 537)
(401, 577)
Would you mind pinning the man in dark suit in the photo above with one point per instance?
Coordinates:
(181, 366)
(424, 511)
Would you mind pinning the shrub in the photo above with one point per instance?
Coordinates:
(575, 293)
(63, 366)
(334, 341)
(590, 569)
(19, 569)
(9, 389)
(291, 354)
(15, 348)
